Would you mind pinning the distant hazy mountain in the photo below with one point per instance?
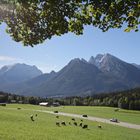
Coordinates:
(17, 73)
(32, 86)
(103, 73)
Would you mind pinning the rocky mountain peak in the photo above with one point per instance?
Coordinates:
(19, 72)
(92, 60)
(77, 61)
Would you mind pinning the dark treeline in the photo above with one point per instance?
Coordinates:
(129, 99)
(13, 98)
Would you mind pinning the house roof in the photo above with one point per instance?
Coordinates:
(43, 103)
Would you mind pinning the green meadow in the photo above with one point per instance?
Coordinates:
(16, 125)
(95, 111)
(103, 112)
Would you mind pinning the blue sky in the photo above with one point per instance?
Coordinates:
(55, 53)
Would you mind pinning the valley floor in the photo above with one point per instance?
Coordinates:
(16, 124)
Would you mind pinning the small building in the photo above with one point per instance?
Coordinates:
(44, 104)
(56, 104)
(2, 104)
(20, 102)
(13, 101)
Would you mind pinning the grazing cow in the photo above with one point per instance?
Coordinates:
(63, 123)
(32, 118)
(99, 126)
(80, 124)
(73, 119)
(117, 109)
(85, 126)
(85, 115)
(75, 123)
(57, 117)
(57, 123)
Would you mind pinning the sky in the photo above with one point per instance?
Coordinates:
(54, 54)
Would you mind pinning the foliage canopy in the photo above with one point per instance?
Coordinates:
(33, 21)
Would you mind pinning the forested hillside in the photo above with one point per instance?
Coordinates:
(129, 99)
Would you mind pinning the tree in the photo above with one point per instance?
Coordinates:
(3, 98)
(33, 21)
(131, 105)
(32, 100)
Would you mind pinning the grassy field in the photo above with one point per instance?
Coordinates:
(17, 125)
(103, 112)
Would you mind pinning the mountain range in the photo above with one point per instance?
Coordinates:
(103, 73)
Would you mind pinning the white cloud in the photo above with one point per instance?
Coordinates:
(7, 58)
